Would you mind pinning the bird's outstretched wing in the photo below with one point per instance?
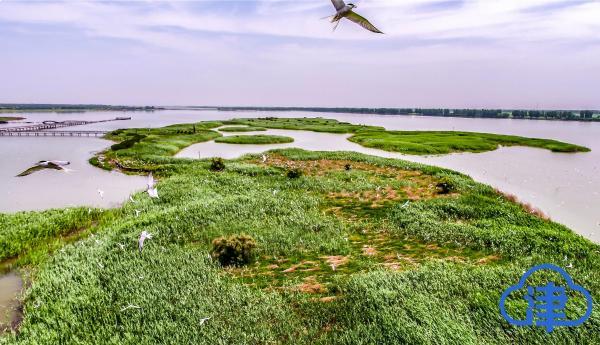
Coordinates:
(338, 4)
(52, 165)
(31, 170)
(61, 163)
(362, 21)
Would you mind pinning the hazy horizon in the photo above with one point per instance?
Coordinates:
(528, 54)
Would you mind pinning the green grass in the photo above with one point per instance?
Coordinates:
(242, 129)
(308, 124)
(10, 118)
(429, 271)
(254, 139)
(436, 142)
(411, 142)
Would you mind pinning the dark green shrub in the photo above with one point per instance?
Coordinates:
(348, 167)
(446, 186)
(236, 250)
(294, 173)
(125, 144)
(217, 164)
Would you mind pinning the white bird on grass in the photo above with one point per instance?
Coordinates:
(345, 11)
(137, 213)
(143, 236)
(264, 158)
(203, 320)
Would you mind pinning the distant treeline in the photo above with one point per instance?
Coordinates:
(577, 115)
(71, 107)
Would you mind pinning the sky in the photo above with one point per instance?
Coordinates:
(536, 54)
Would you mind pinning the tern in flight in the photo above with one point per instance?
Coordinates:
(41, 165)
(143, 236)
(152, 190)
(345, 11)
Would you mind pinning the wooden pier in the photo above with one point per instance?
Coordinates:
(42, 129)
(52, 133)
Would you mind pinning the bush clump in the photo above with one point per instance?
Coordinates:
(125, 144)
(446, 186)
(217, 164)
(294, 173)
(236, 250)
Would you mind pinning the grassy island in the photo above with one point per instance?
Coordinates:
(4, 119)
(437, 142)
(242, 129)
(255, 139)
(412, 142)
(352, 249)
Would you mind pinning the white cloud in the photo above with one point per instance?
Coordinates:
(433, 50)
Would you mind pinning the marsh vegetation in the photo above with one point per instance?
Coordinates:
(242, 129)
(355, 249)
(259, 139)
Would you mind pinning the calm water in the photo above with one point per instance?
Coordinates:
(10, 287)
(564, 186)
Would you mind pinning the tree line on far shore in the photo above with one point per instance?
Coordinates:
(577, 115)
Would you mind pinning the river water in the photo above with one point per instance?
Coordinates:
(564, 186)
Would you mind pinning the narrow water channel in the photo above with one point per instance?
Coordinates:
(10, 288)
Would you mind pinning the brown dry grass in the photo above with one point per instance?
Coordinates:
(527, 207)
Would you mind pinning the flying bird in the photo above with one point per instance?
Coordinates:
(41, 165)
(152, 190)
(143, 236)
(101, 193)
(345, 11)
(151, 182)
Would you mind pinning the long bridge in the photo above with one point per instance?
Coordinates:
(52, 133)
(41, 129)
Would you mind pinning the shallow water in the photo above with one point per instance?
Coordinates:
(52, 188)
(564, 186)
(10, 287)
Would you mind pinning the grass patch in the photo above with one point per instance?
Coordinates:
(6, 119)
(411, 142)
(255, 139)
(307, 124)
(430, 142)
(242, 129)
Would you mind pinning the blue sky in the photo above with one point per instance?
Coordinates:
(435, 53)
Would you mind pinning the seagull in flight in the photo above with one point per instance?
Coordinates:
(41, 165)
(152, 190)
(344, 10)
(144, 235)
